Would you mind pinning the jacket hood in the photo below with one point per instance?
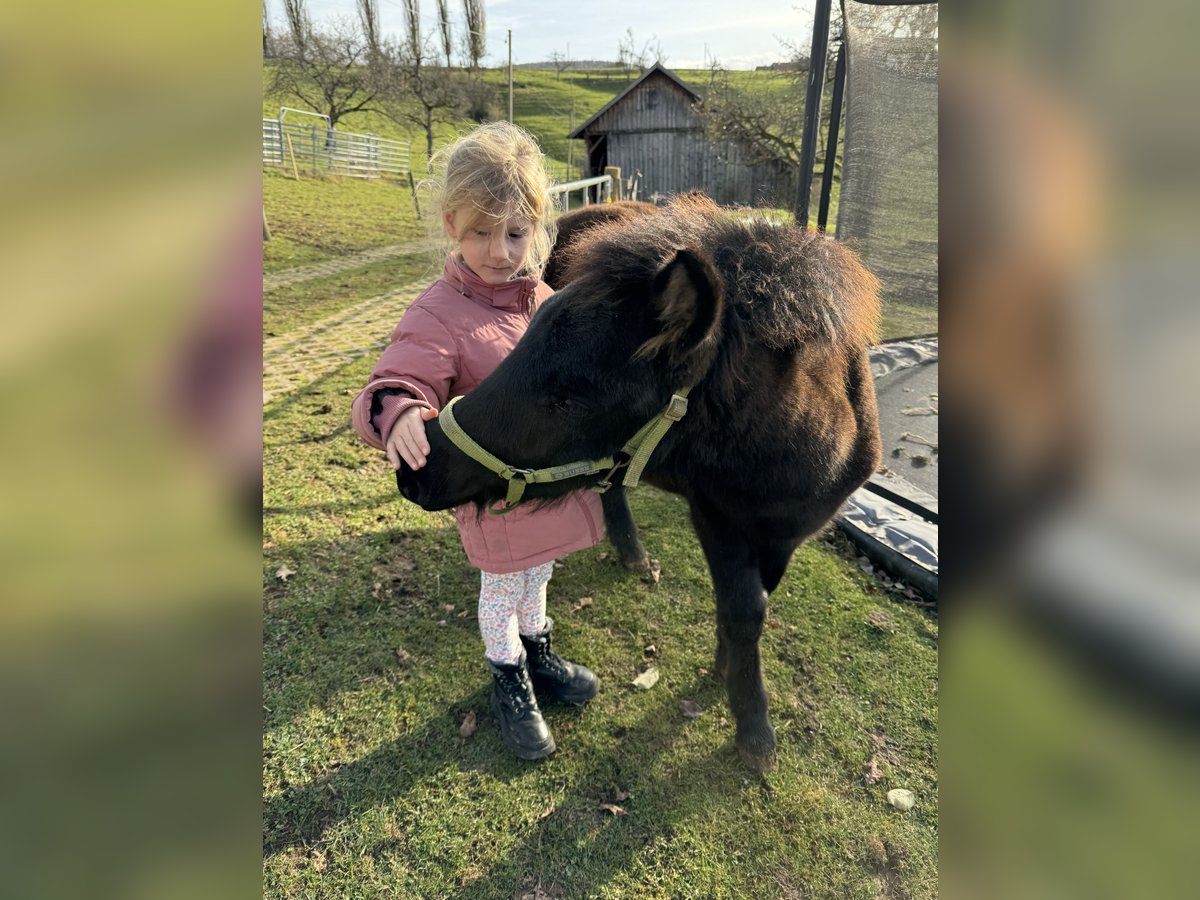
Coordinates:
(515, 294)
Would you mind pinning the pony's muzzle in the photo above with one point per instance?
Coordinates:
(409, 483)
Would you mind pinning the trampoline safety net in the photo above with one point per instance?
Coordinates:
(888, 208)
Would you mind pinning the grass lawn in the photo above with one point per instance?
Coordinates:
(372, 660)
(318, 218)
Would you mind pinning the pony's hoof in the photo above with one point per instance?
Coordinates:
(649, 570)
(757, 753)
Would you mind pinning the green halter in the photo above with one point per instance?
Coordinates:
(638, 449)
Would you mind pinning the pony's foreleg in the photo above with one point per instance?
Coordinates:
(622, 531)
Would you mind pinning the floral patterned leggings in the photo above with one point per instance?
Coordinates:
(509, 605)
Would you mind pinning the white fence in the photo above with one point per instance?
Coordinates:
(317, 149)
(591, 190)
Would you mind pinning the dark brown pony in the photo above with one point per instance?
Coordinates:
(769, 327)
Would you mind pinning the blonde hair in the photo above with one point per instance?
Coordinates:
(494, 173)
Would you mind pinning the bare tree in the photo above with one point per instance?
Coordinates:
(368, 17)
(475, 40)
(414, 44)
(767, 124)
(299, 24)
(444, 29)
(416, 95)
(268, 50)
(325, 68)
(560, 61)
(630, 58)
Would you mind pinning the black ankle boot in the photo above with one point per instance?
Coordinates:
(553, 676)
(515, 707)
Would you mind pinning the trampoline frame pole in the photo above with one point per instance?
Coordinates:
(812, 108)
(835, 121)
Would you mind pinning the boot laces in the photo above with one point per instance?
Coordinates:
(515, 689)
(552, 662)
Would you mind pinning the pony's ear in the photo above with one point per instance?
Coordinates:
(686, 299)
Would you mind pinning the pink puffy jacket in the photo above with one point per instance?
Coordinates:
(448, 341)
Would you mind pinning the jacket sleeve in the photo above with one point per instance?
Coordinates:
(422, 361)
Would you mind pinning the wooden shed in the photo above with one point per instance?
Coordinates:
(652, 127)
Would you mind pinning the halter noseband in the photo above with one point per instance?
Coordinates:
(636, 453)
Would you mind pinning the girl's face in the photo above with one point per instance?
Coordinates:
(493, 251)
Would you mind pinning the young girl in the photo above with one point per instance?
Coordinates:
(494, 208)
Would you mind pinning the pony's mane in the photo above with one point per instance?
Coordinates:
(784, 286)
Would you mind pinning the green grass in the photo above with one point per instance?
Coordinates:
(370, 791)
(313, 219)
(907, 320)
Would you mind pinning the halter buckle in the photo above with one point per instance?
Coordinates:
(677, 408)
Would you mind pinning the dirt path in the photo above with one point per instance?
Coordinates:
(342, 264)
(300, 357)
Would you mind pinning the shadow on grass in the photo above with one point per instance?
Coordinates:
(578, 847)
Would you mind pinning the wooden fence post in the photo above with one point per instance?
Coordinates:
(617, 186)
(412, 185)
(292, 151)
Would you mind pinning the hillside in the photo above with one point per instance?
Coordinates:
(547, 103)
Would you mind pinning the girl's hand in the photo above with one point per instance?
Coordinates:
(407, 440)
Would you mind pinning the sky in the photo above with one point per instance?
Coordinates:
(741, 34)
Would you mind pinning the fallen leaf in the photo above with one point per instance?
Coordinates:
(283, 572)
(613, 808)
(545, 813)
(918, 439)
(690, 709)
(583, 602)
(551, 893)
(881, 620)
(378, 587)
(647, 679)
(872, 774)
(876, 852)
(467, 728)
(901, 799)
(619, 794)
(653, 572)
(403, 655)
(463, 614)
(448, 607)
(649, 650)
(318, 860)
(602, 556)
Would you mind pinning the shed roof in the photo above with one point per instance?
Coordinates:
(656, 69)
